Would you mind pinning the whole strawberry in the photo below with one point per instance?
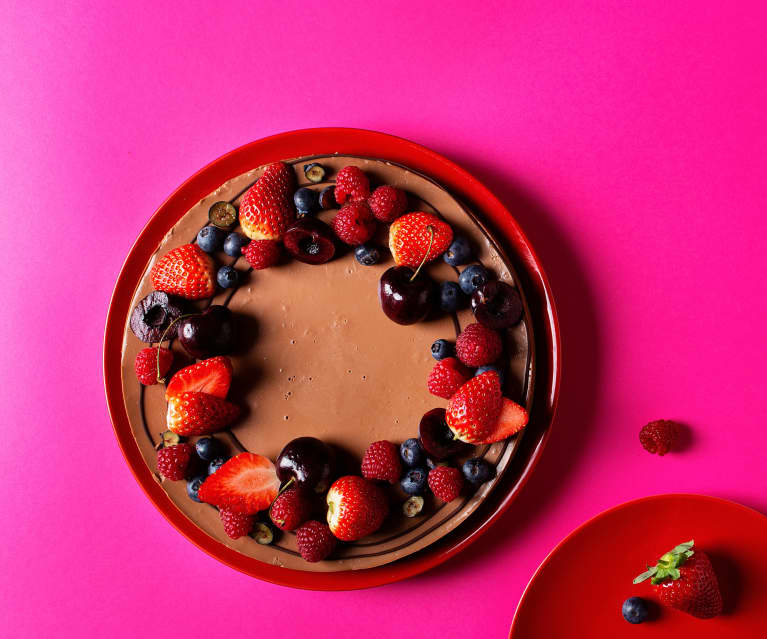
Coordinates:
(236, 525)
(445, 482)
(684, 579)
(186, 271)
(382, 461)
(447, 376)
(356, 507)
(315, 541)
(387, 203)
(354, 224)
(262, 254)
(291, 509)
(411, 235)
(266, 209)
(659, 437)
(195, 413)
(146, 364)
(478, 345)
(173, 461)
(473, 412)
(351, 183)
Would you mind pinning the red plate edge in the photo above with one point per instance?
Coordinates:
(455, 179)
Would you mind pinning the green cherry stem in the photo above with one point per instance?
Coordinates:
(160, 378)
(425, 257)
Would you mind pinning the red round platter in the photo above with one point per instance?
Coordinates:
(463, 186)
(579, 588)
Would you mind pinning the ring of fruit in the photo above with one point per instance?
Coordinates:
(314, 489)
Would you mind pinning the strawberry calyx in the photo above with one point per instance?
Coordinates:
(668, 565)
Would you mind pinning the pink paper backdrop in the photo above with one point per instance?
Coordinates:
(630, 142)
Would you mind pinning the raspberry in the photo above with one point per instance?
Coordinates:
(315, 541)
(354, 224)
(478, 345)
(146, 364)
(351, 182)
(173, 461)
(291, 509)
(387, 203)
(381, 461)
(659, 437)
(447, 376)
(262, 253)
(445, 482)
(236, 525)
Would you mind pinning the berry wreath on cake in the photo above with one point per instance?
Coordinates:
(328, 363)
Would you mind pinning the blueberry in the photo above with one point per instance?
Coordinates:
(327, 197)
(314, 172)
(491, 367)
(472, 278)
(207, 448)
(234, 243)
(415, 481)
(367, 254)
(411, 452)
(227, 277)
(477, 471)
(215, 464)
(193, 486)
(442, 349)
(450, 297)
(635, 610)
(459, 252)
(210, 239)
(306, 200)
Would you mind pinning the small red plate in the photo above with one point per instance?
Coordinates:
(462, 185)
(579, 588)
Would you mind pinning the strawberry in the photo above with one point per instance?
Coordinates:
(409, 238)
(262, 254)
(173, 461)
(245, 484)
(212, 376)
(351, 183)
(473, 411)
(387, 203)
(513, 418)
(445, 482)
(356, 507)
(186, 271)
(191, 413)
(146, 364)
(659, 437)
(447, 376)
(684, 579)
(381, 461)
(315, 541)
(266, 209)
(236, 525)
(291, 509)
(478, 345)
(354, 224)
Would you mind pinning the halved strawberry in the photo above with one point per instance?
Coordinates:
(186, 271)
(192, 413)
(212, 376)
(410, 237)
(513, 418)
(474, 409)
(245, 484)
(266, 209)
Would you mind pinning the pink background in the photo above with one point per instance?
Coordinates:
(630, 143)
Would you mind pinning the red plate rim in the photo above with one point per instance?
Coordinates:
(460, 183)
(606, 513)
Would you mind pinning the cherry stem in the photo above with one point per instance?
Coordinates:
(160, 377)
(428, 250)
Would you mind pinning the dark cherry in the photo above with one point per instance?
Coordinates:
(208, 333)
(152, 315)
(496, 305)
(436, 437)
(406, 300)
(309, 461)
(310, 241)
